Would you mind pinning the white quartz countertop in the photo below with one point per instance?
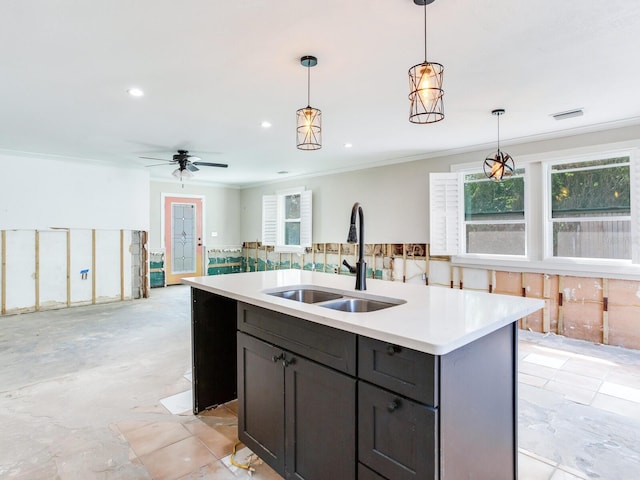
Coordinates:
(434, 320)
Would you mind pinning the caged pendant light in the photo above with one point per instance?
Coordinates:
(500, 164)
(309, 119)
(425, 84)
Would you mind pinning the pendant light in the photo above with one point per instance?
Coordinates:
(309, 119)
(500, 164)
(425, 84)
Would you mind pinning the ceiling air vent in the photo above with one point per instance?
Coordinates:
(569, 114)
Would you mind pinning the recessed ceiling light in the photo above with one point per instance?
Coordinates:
(135, 92)
(348, 145)
(265, 124)
(282, 172)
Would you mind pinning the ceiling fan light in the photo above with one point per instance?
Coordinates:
(182, 173)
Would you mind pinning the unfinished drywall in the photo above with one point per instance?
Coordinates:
(52, 268)
(221, 212)
(81, 266)
(19, 266)
(45, 269)
(599, 310)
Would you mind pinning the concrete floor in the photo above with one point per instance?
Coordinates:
(102, 392)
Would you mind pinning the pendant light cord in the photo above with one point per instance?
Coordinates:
(425, 32)
(498, 131)
(308, 85)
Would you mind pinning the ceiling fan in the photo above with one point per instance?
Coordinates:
(186, 164)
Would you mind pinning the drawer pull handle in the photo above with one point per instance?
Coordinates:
(392, 349)
(275, 358)
(393, 405)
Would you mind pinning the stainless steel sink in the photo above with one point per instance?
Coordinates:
(358, 305)
(307, 295)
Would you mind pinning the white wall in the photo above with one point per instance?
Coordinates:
(40, 193)
(221, 215)
(394, 198)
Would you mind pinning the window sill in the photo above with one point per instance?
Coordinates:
(578, 268)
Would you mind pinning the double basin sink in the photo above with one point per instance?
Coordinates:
(336, 300)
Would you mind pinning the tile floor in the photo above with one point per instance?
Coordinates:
(101, 392)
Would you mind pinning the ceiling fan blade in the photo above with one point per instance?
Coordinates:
(156, 165)
(193, 158)
(156, 158)
(191, 167)
(207, 164)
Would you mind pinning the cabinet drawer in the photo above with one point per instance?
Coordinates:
(396, 437)
(408, 372)
(329, 346)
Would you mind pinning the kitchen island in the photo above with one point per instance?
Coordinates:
(424, 387)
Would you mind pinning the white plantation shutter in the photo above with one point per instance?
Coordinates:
(269, 219)
(444, 213)
(305, 218)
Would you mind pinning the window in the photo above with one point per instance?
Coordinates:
(287, 220)
(490, 214)
(589, 213)
(494, 220)
(575, 214)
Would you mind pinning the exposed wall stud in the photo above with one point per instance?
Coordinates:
(121, 264)
(3, 273)
(324, 258)
(69, 268)
(605, 311)
(37, 272)
(524, 321)
(404, 263)
(93, 266)
(256, 259)
(546, 312)
(427, 254)
(560, 309)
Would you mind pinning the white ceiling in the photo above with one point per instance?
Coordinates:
(213, 70)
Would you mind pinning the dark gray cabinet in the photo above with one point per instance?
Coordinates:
(319, 403)
(296, 414)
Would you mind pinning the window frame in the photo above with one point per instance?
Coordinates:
(464, 222)
(274, 220)
(547, 167)
(537, 259)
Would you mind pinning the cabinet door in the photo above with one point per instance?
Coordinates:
(261, 400)
(320, 422)
(397, 437)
